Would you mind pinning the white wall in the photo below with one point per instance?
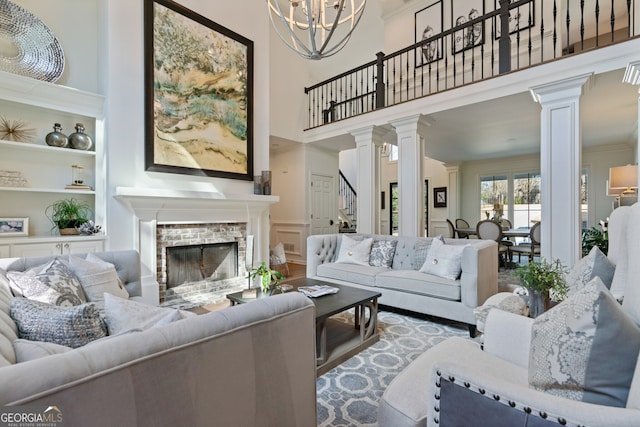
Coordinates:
(347, 164)
(103, 45)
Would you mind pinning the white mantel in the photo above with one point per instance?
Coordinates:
(159, 205)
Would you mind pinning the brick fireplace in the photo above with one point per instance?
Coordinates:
(228, 217)
(201, 270)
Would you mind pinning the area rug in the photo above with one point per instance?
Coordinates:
(348, 395)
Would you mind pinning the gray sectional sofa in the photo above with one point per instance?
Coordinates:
(403, 286)
(252, 365)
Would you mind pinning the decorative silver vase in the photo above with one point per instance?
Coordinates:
(80, 140)
(57, 138)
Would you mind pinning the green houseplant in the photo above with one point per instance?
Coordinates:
(541, 279)
(269, 279)
(594, 237)
(67, 214)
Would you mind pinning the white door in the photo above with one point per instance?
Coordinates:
(323, 205)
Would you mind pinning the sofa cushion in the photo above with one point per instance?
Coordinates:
(358, 274)
(52, 283)
(29, 350)
(443, 260)
(382, 253)
(590, 266)
(97, 277)
(419, 283)
(69, 326)
(585, 348)
(405, 256)
(354, 252)
(122, 315)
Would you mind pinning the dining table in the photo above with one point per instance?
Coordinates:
(507, 232)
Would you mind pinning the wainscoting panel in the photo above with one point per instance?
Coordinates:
(294, 239)
(439, 227)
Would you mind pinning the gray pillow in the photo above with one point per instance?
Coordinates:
(53, 283)
(97, 277)
(29, 350)
(594, 264)
(68, 326)
(421, 250)
(382, 252)
(122, 315)
(585, 348)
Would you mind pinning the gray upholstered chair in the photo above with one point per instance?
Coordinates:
(490, 230)
(531, 249)
(461, 223)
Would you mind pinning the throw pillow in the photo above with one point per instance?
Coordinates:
(122, 315)
(421, 250)
(506, 301)
(29, 350)
(443, 260)
(585, 348)
(68, 326)
(54, 283)
(382, 253)
(594, 264)
(277, 255)
(354, 252)
(97, 277)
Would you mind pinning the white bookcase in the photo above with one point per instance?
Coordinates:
(48, 169)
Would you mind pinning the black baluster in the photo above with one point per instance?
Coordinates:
(582, 26)
(529, 45)
(541, 32)
(597, 22)
(628, 18)
(568, 25)
(613, 20)
(555, 29)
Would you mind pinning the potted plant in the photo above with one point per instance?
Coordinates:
(269, 279)
(541, 279)
(67, 214)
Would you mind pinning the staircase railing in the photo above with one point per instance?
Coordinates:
(348, 197)
(514, 36)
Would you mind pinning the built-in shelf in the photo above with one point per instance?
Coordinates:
(46, 190)
(45, 149)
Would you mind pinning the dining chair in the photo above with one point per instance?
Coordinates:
(506, 241)
(529, 248)
(452, 229)
(461, 223)
(488, 229)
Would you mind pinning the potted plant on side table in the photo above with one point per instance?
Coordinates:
(67, 214)
(269, 279)
(543, 280)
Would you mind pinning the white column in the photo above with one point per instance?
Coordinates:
(560, 168)
(410, 133)
(368, 146)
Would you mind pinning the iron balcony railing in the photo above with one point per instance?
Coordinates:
(514, 36)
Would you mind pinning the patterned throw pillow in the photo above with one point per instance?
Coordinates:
(443, 260)
(382, 253)
(585, 348)
(68, 326)
(54, 283)
(421, 250)
(594, 264)
(353, 251)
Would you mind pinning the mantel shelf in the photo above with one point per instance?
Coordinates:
(158, 199)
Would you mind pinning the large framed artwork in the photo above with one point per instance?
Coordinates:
(463, 11)
(428, 23)
(520, 18)
(198, 94)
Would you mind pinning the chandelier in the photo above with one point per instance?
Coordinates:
(315, 29)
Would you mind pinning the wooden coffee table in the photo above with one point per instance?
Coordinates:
(337, 341)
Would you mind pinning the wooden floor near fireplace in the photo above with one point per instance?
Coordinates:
(295, 271)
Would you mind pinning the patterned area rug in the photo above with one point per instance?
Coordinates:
(348, 395)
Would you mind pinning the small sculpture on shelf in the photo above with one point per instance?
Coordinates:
(77, 179)
(80, 140)
(89, 228)
(15, 130)
(57, 138)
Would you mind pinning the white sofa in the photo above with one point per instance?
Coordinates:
(403, 286)
(251, 365)
(460, 381)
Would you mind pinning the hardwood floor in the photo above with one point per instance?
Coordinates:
(295, 271)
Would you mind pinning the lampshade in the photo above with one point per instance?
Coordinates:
(623, 178)
(326, 27)
(613, 192)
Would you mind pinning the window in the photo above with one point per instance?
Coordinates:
(393, 212)
(493, 196)
(584, 199)
(526, 199)
(393, 153)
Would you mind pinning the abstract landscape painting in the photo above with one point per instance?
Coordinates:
(198, 95)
